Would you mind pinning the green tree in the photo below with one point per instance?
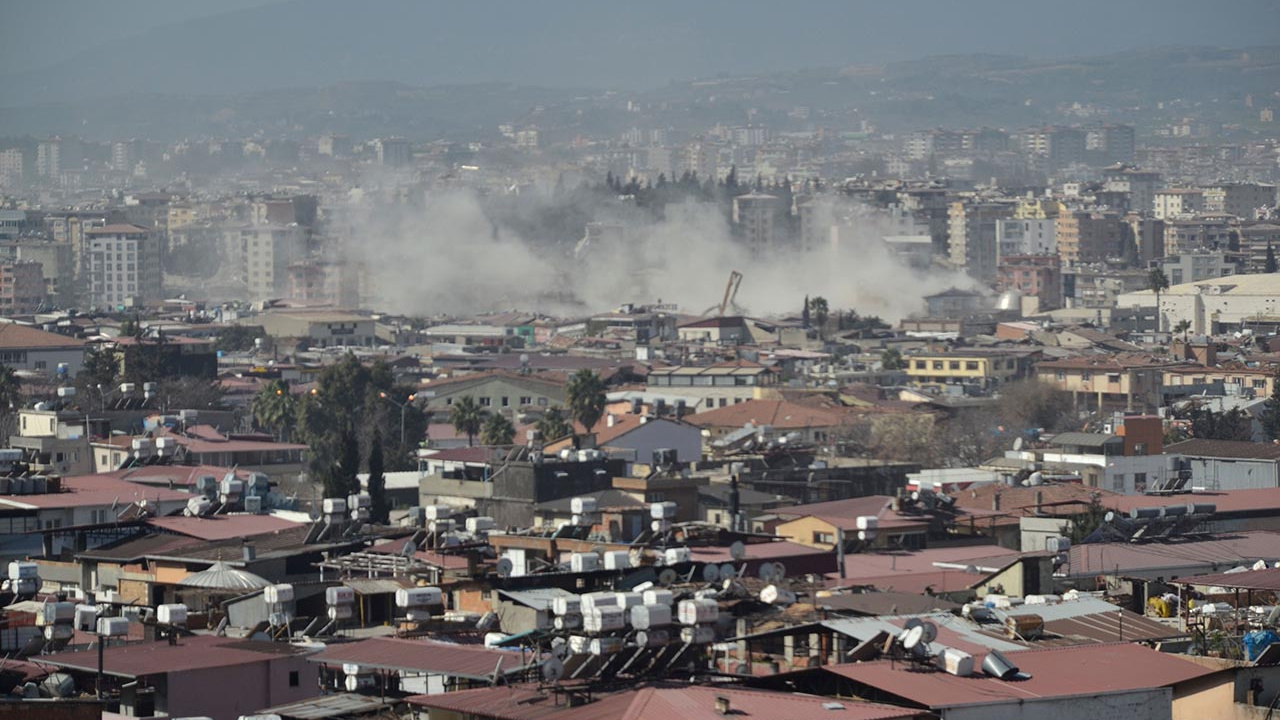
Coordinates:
(586, 398)
(497, 430)
(10, 399)
(275, 409)
(101, 367)
(820, 311)
(344, 476)
(1034, 404)
(1157, 282)
(379, 508)
(1234, 424)
(553, 425)
(1270, 416)
(238, 338)
(189, 393)
(891, 359)
(467, 417)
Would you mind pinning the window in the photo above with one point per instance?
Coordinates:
(506, 401)
(486, 402)
(40, 365)
(1087, 376)
(971, 365)
(1117, 482)
(922, 365)
(526, 400)
(542, 402)
(954, 365)
(822, 538)
(937, 364)
(293, 678)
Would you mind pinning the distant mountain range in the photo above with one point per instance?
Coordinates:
(567, 43)
(950, 91)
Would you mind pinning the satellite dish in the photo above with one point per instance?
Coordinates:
(552, 669)
(765, 572)
(505, 566)
(728, 571)
(409, 549)
(636, 556)
(667, 577)
(930, 632)
(914, 622)
(779, 571)
(560, 649)
(738, 550)
(710, 572)
(1017, 444)
(913, 637)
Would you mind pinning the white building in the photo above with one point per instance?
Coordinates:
(1178, 202)
(260, 256)
(1026, 236)
(1236, 302)
(123, 265)
(31, 351)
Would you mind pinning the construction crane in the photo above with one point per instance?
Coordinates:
(730, 292)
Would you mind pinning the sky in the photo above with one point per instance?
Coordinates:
(59, 49)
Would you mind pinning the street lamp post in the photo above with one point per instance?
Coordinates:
(403, 407)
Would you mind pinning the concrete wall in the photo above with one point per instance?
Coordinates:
(226, 693)
(1224, 474)
(661, 433)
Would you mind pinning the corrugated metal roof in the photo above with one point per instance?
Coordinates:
(657, 701)
(1055, 673)
(376, 586)
(1093, 559)
(885, 603)
(327, 706)
(1268, 579)
(426, 656)
(159, 658)
(222, 527)
(221, 576)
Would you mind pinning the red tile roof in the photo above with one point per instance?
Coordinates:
(781, 414)
(1055, 673)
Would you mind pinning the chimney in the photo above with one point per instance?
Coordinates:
(250, 552)
(722, 705)
(609, 420)
(1039, 501)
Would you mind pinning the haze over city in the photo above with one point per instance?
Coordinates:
(563, 360)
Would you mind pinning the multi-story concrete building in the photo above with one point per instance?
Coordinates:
(973, 239)
(123, 266)
(1090, 237)
(1110, 143)
(1244, 200)
(980, 368)
(1145, 238)
(755, 216)
(22, 290)
(260, 256)
(393, 152)
(1256, 241)
(1174, 203)
(1053, 148)
(1140, 185)
(56, 265)
(1101, 383)
(1038, 276)
(1200, 265)
(1026, 236)
(1203, 233)
(11, 166)
(49, 158)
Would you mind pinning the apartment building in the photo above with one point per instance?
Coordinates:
(123, 265)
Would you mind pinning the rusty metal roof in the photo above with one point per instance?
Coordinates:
(1055, 673)
(657, 701)
(1268, 579)
(159, 658)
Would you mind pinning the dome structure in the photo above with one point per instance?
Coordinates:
(221, 576)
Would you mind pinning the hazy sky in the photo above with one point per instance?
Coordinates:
(54, 49)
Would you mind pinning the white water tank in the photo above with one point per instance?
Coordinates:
(658, 596)
(604, 618)
(566, 604)
(584, 562)
(698, 611)
(419, 597)
(172, 614)
(646, 616)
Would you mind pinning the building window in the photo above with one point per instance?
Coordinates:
(506, 401)
(971, 365)
(954, 365)
(922, 365)
(542, 402)
(486, 402)
(293, 678)
(526, 400)
(937, 364)
(1086, 376)
(822, 538)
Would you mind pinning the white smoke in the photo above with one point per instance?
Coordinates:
(448, 257)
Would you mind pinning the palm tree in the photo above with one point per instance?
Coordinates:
(553, 425)
(1157, 282)
(1182, 326)
(275, 408)
(585, 396)
(468, 417)
(498, 430)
